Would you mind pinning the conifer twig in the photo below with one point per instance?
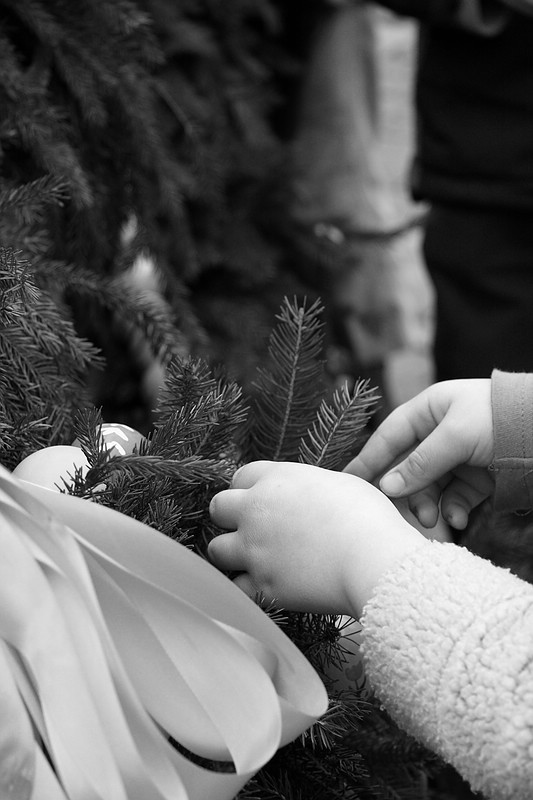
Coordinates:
(334, 435)
(289, 391)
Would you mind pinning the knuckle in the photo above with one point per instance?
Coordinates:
(417, 463)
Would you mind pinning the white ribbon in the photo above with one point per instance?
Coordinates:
(115, 638)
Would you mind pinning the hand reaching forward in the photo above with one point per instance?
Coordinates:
(308, 538)
(435, 448)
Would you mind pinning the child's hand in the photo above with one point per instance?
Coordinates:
(442, 441)
(308, 538)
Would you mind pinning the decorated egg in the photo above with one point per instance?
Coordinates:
(118, 439)
(49, 466)
(348, 672)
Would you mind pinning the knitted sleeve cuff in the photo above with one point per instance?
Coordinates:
(512, 413)
(448, 648)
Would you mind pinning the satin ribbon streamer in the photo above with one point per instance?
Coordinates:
(113, 638)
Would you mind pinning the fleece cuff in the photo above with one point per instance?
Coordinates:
(448, 648)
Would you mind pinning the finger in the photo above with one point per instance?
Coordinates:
(456, 513)
(465, 492)
(225, 508)
(399, 433)
(425, 505)
(425, 515)
(247, 476)
(226, 553)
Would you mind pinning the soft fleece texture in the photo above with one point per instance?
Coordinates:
(448, 648)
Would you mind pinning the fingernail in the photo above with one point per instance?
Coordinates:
(456, 517)
(392, 484)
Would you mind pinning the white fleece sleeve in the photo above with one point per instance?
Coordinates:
(448, 647)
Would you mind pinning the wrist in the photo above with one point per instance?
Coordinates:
(362, 576)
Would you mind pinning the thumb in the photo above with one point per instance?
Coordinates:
(434, 457)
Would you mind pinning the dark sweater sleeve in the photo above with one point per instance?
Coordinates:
(512, 414)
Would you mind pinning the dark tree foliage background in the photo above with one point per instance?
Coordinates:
(169, 119)
(159, 128)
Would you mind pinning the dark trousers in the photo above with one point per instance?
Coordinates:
(481, 263)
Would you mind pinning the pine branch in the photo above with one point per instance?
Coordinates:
(28, 367)
(41, 342)
(187, 380)
(13, 77)
(187, 471)
(344, 714)
(44, 365)
(136, 310)
(333, 437)
(37, 18)
(289, 392)
(56, 339)
(206, 427)
(28, 199)
(144, 312)
(125, 18)
(83, 84)
(41, 129)
(87, 425)
(17, 289)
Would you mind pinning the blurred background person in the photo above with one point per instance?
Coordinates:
(474, 166)
(349, 152)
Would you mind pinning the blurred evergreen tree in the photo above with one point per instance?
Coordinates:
(81, 157)
(157, 128)
(228, 89)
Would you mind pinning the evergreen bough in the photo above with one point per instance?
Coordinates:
(43, 368)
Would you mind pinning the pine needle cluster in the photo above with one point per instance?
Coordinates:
(44, 365)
